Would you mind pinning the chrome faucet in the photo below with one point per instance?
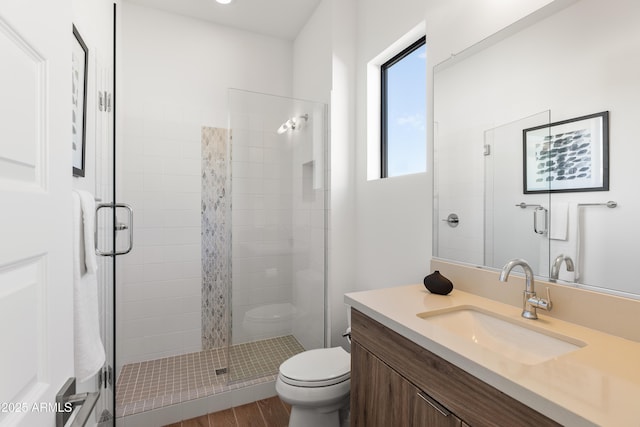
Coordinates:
(555, 268)
(530, 302)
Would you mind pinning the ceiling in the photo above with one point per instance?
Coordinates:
(277, 18)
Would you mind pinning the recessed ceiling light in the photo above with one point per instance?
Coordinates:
(224, 1)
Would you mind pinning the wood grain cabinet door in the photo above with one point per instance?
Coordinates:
(380, 397)
(428, 412)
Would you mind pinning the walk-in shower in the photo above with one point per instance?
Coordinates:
(228, 279)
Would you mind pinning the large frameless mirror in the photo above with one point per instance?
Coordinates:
(562, 74)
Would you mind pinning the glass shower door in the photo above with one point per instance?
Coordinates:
(105, 240)
(516, 224)
(277, 220)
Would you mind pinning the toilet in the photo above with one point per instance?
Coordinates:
(316, 384)
(271, 320)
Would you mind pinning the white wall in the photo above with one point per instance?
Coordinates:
(312, 55)
(379, 231)
(324, 70)
(175, 76)
(343, 214)
(312, 52)
(393, 215)
(94, 21)
(394, 238)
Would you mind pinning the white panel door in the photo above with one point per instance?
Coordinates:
(36, 300)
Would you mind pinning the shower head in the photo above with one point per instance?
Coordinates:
(292, 124)
(289, 124)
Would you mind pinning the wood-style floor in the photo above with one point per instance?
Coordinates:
(271, 412)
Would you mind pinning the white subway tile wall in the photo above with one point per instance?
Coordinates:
(278, 233)
(160, 285)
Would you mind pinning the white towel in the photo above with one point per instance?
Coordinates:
(88, 204)
(559, 221)
(89, 354)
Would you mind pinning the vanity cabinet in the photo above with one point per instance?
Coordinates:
(380, 397)
(395, 382)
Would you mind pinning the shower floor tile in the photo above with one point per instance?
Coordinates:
(157, 383)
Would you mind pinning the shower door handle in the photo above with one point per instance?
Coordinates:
(536, 212)
(117, 226)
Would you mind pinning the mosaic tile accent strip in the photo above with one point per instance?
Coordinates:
(157, 383)
(215, 246)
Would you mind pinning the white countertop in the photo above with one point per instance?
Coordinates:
(598, 384)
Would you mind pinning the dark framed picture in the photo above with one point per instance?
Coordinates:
(571, 155)
(79, 65)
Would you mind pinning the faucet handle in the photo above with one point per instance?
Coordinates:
(542, 303)
(549, 304)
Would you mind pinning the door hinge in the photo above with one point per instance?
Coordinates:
(105, 377)
(487, 149)
(104, 101)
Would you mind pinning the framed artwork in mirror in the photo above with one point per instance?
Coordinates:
(570, 155)
(79, 65)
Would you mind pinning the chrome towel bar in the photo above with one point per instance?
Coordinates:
(524, 205)
(610, 204)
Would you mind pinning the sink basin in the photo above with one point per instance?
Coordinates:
(523, 343)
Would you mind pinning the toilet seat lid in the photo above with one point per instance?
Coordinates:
(317, 368)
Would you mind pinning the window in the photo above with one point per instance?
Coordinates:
(403, 112)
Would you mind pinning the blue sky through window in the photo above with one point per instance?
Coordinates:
(406, 114)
